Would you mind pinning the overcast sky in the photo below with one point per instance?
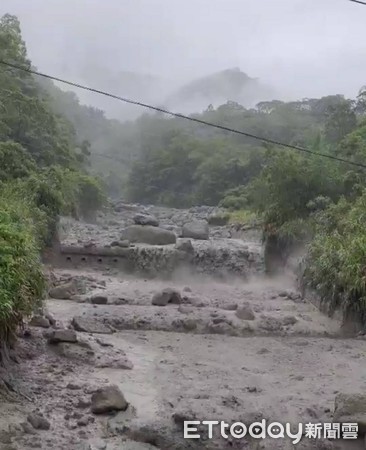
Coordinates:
(303, 48)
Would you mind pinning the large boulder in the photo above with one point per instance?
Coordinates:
(147, 234)
(99, 299)
(245, 312)
(108, 399)
(197, 229)
(90, 325)
(62, 335)
(40, 322)
(64, 291)
(351, 408)
(146, 219)
(166, 296)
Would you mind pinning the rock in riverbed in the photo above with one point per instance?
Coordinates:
(184, 245)
(245, 312)
(38, 422)
(145, 219)
(197, 229)
(166, 296)
(64, 335)
(147, 234)
(99, 300)
(90, 325)
(108, 399)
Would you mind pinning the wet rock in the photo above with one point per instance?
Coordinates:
(73, 386)
(263, 351)
(230, 307)
(120, 206)
(98, 444)
(185, 309)
(90, 244)
(182, 415)
(146, 219)
(148, 234)
(189, 324)
(351, 408)
(123, 244)
(64, 335)
(166, 296)
(99, 300)
(103, 343)
(15, 429)
(64, 291)
(79, 351)
(38, 422)
(271, 324)
(83, 402)
(197, 229)
(108, 399)
(196, 302)
(50, 318)
(289, 320)
(78, 298)
(152, 435)
(113, 362)
(300, 343)
(40, 322)
(218, 320)
(291, 295)
(187, 289)
(245, 312)
(90, 325)
(83, 421)
(184, 245)
(27, 428)
(5, 437)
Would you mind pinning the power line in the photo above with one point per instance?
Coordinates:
(181, 116)
(358, 1)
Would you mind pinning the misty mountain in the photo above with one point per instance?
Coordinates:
(217, 89)
(192, 97)
(130, 85)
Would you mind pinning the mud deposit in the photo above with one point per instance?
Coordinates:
(191, 347)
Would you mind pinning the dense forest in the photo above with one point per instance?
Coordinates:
(42, 175)
(57, 155)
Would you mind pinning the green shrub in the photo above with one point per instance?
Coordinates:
(89, 196)
(21, 280)
(335, 266)
(235, 199)
(55, 191)
(219, 219)
(243, 217)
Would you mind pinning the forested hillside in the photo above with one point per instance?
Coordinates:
(42, 174)
(185, 163)
(114, 144)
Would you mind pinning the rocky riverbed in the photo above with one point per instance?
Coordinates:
(119, 360)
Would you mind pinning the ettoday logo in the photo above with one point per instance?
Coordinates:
(274, 430)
